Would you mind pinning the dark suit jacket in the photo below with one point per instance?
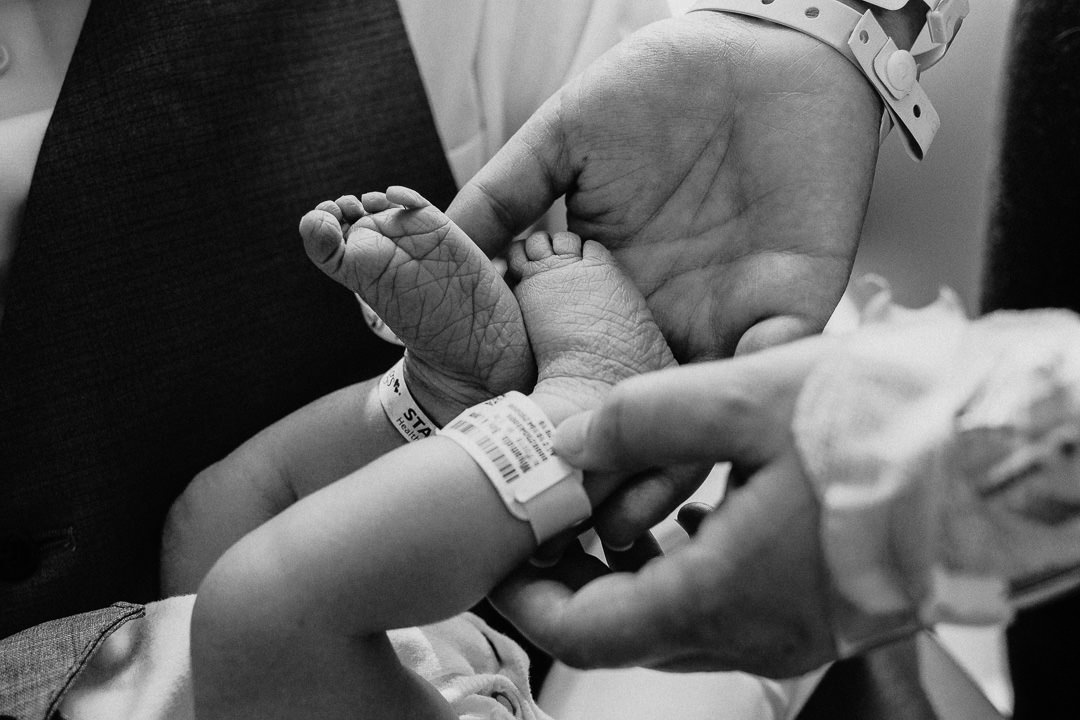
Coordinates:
(161, 308)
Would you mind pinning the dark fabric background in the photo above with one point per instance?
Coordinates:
(1033, 261)
(161, 308)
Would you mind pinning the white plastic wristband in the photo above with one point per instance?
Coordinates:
(401, 409)
(943, 21)
(859, 37)
(509, 437)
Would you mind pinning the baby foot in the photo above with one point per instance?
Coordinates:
(588, 324)
(433, 287)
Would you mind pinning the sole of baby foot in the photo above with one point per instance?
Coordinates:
(436, 290)
(588, 324)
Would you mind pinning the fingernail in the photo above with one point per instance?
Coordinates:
(542, 562)
(691, 515)
(619, 548)
(570, 436)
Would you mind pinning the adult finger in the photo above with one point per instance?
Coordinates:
(551, 551)
(558, 576)
(588, 618)
(518, 185)
(696, 413)
(646, 499)
(634, 556)
(690, 516)
(722, 601)
(777, 330)
(735, 410)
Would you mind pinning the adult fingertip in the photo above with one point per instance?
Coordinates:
(690, 516)
(518, 185)
(775, 331)
(633, 556)
(484, 217)
(571, 437)
(552, 550)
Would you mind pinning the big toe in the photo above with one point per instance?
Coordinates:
(322, 236)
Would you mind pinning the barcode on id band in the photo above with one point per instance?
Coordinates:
(495, 454)
(531, 431)
(519, 462)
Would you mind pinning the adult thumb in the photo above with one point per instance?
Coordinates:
(519, 184)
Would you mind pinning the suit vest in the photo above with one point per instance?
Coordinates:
(161, 309)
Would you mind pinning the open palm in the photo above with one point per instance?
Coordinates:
(726, 162)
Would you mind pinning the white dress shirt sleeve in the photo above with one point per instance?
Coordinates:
(488, 65)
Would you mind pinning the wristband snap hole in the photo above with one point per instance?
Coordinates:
(812, 12)
(917, 110)
(864, 37)
(766, 2)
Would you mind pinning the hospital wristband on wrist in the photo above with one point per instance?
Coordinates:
(401, 409)
(891, 71)
(509, 437)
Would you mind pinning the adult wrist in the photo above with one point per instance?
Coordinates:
(876, 39)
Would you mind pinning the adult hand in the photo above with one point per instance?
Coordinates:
(748, 591)
(726, 162)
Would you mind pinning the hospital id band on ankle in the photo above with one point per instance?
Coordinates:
(401, 409)
(509, 437)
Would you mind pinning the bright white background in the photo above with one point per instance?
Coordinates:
(926, 221)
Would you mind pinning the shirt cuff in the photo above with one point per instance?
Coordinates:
(38, 665)
(944, 454)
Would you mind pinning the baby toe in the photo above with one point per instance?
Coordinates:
(406, 197)
(516, 259)
(331, 207)
(322, 236)
(538, 246)
(592, 250)
(351, 208)
(375, 202)
(566, 243)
